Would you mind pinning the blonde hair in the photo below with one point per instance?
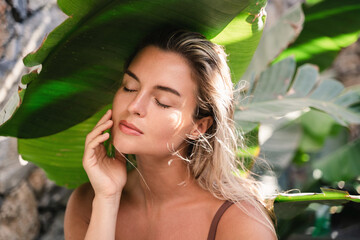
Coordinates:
(212, 158)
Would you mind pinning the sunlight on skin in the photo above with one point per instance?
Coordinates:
(163, 128)
(153, 118)
(163, 144)
(177, 119)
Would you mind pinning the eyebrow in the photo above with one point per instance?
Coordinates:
(131, 74)
(159, 87)
(167, 89)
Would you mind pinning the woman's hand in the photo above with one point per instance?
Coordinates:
(107, 175)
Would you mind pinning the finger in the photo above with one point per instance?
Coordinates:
(104, 118)
(98, 140)
(98, 130)
(89, 150)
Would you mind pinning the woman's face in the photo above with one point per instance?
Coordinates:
(153, 109)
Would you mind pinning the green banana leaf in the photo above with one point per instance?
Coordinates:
(82, 59)
(60, 155)
(275, 95)
(288, 205)
(330, 25)
(82, 62)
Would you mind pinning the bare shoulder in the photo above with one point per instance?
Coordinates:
(78, 212)
(245, 222)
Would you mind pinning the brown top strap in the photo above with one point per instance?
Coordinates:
(216, 219)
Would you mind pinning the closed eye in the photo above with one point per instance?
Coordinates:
(160, 104)
(128, 90)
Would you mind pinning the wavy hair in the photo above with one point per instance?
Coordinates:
(212, 157)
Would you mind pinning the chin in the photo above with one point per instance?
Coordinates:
(126, 147)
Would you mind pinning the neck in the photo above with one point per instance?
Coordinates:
(164, 181)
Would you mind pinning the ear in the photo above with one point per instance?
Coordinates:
(200, 127)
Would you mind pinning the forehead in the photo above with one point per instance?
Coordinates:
(159, 67)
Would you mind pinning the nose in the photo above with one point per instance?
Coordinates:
(138, 105)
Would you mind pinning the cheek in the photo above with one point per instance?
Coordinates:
(176, 120)
(120, 102)
(116, 101)
(172, 129)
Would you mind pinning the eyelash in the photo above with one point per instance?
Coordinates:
(128, 90)
(160, 104)
(156, 101)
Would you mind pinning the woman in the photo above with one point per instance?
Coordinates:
(173, 111)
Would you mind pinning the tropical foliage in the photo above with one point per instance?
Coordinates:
(296, 118)
(330, 25)
(309, 149)
(82, 59)
(82, 62)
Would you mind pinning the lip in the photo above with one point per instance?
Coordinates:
(129, 128)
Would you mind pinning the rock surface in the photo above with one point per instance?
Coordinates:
(11, 171)
(19, 215)
(347, 65)
(22, 31)
(33, 209)
(31, 206)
